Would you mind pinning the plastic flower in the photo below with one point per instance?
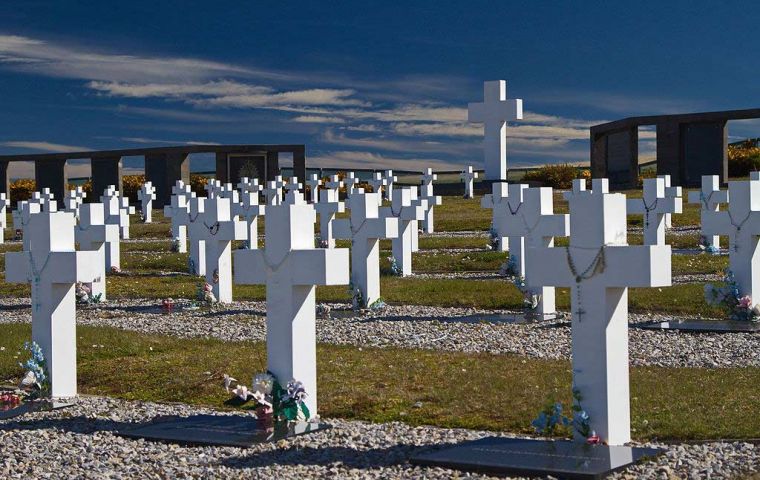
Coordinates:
(745, 302)
(540, 423)
(228, 382)
(261, 399)
(263, 383)
(242, 392)
(296, 391)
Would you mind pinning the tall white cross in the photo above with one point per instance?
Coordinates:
(365, 228)
(53, 268)
(709, 198)
(468, 177)
(291, 267)
(272, 193)
(675, 192)
(529, 221)
(741, 222)
(408, 213)
(599, 266)
(390, 179)
(293, 184)
(118, 210)
(426, 193)
(350, 180)
(654, 205)
(45, 200)
(146, 195)
(314, 182)
(497, 202)
(228, 191)
(4, 202)
(93, 234)
(73, 200)
(414, 225)
(250, 210)
(216, 227)
(178, 211)
(328, 206)
(494, 113)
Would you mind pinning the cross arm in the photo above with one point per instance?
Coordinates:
(250, 267)
(62, 267)
(637, 206)
(486, 201)
(716, 223)
(322, 266)
(342, 228)
(382, 227)
(557, 225)
(717, 196)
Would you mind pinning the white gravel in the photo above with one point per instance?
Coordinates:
(78, 442)
(449, 329)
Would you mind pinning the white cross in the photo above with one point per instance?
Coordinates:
(180, 202)
(247, 185)
(212, 188)
(250, 210)
(228, 191)
(45, 200)
(414, 224)
(377, 182)
(117, 210)
(390, 179)
(290, 267)
(293, 185)
(216, 227)
(53, 268)
(426, 193)
(314, 182)
(93, 234)
(654, 205)
(273, 192)
(600, 266)
(146, 195)
(328, 206)
(494, 113)
(21, 216)
(676, 192)
(709, 198)
(350, 180)
(468, 177)
(741, 222)
(73, 200)
(408, 213)
(365, 229)
(529, 221)
(497, 202)
(4, 203)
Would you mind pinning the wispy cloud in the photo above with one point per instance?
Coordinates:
(44, 146)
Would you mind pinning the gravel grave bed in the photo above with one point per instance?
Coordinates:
(79, 442)
(434, 328)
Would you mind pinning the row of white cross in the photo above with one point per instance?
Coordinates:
(598, 265)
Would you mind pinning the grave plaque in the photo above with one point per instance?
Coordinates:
(523, 457)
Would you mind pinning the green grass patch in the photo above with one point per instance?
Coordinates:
(380, 385)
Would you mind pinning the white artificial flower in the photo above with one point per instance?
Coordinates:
(262, 382)
(228, 382)
(756, 310)
(242, 392)
(261, 399)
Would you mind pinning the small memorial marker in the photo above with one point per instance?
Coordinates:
(670, 192)
(710, 196)
(328, 206)
(426, 193)
(250, 211)
(468, 177)
(216, 227)
(117, 210)
(654, 205)
(314, 182)
(73, 200)
(497, 202)
(365, 228)
(406, 211)
(93, 234)
(178, 210)
(146, 195)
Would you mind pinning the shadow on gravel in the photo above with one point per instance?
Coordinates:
(475, 319)
(77, 424)
(327, 455)
(21, 306)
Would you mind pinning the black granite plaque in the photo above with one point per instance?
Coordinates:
(229, 430)
(32, 406)
(704, 326)
(562, 459)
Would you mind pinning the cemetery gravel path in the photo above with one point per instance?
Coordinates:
(79, 442)
(435, 328)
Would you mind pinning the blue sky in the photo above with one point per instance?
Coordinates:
(364, 84)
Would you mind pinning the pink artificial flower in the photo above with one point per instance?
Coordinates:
(593, 439)
(745, 302)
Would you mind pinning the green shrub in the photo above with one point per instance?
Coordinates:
(556, 176)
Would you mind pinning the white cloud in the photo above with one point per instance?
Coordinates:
(44, 146)
(318, 119)
(363, 159)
